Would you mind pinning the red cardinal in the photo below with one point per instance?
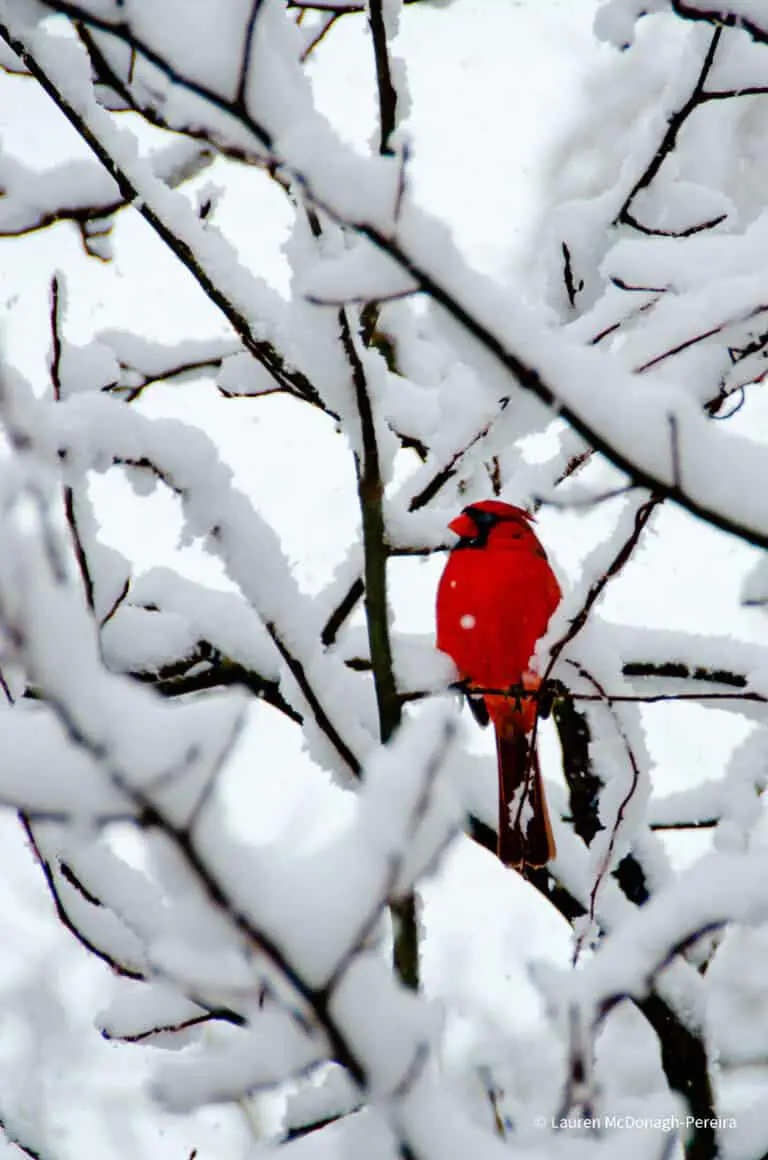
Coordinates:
(494, 602)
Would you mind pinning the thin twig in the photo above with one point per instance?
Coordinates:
(342, 612)
(385, 88)
(241, 96)
(572, 287)
(675, 123)
(77, 542)
(217, 1015)
(441, 477)
(117, 602)
(55, 321)
(117, 966)
(320, 36)
(722, 17)
(642, 516)
(318, 710)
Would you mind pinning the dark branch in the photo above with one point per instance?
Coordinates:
(220, 1015)
(722, 17)
(122, 594)
(320, 36)
(319, 713)
(193, 367)
(241, 97)
(189, 677)
(682, 670)
(669, 140)
(370, 488)
(572, 287)
(77, 542)
(55, 316)
(385, 87)
(342, 612)
(446, 473)
(119, 968)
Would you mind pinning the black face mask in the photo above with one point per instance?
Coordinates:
(484, 522)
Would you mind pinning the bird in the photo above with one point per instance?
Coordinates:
(495, 599)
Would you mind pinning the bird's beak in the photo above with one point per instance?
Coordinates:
(463, 526)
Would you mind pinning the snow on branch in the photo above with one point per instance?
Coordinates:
(406, 817)
(580, 385)
(247, 302)
(119, 708)
(95, 432)
(82, 191)
(163, 762)
(668, 662)
(720, 889)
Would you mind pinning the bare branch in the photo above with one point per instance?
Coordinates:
(77, 542)
(320, 36)
(127, 970)
(342, 612)
(572, 286)
(318, 711)
(218, 673)
(250, 29)
(669, 142)
(722, 17)
(370, 494)
(386, 89)
(55, 337)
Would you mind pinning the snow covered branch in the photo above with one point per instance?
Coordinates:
(250, 628)
(576, 383)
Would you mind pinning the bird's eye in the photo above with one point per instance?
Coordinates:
(482, 519)
(484, 522)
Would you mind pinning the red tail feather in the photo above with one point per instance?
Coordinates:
(525, 831)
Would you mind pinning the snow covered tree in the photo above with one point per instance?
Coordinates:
(309, 450)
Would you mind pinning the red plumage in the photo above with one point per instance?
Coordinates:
(495, 599)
